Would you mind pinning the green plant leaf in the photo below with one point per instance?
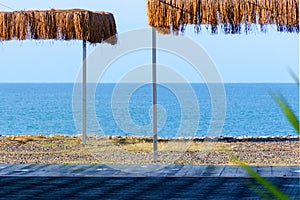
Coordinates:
(294, 76)
(258, 191)
(280, 100)
(266, 184)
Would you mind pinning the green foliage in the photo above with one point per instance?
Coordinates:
(294, 76)
(273, 190)
(280, 100)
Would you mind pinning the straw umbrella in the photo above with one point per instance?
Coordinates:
(231, 16)
(75, 24)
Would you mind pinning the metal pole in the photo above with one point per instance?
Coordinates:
(84, 94)
(154, 95)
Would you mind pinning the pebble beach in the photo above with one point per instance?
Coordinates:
(61, 149)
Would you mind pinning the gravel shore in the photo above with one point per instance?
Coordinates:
(60, 149)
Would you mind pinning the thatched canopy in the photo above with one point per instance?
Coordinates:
(75, 24)
(232, 15)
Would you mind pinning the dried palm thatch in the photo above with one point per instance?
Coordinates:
(232, 15)
(75, 24)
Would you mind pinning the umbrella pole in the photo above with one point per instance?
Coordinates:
(84, 94)
(154, 95)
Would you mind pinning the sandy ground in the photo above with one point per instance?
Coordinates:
(59, 149)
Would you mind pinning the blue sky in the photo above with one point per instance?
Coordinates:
(256, 57)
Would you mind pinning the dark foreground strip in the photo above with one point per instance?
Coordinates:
(137, 187)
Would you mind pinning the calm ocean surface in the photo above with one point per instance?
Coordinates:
(47, 109)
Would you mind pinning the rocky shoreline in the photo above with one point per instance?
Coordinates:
(227, 139)
(252, 139)
(61, 149)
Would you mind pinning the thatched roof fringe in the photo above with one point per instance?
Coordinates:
(232, 15)
(94, 27)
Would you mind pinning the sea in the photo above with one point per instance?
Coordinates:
(53, 108)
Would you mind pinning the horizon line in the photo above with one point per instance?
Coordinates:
(149, 82)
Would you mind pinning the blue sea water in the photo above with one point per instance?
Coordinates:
(47, 109)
